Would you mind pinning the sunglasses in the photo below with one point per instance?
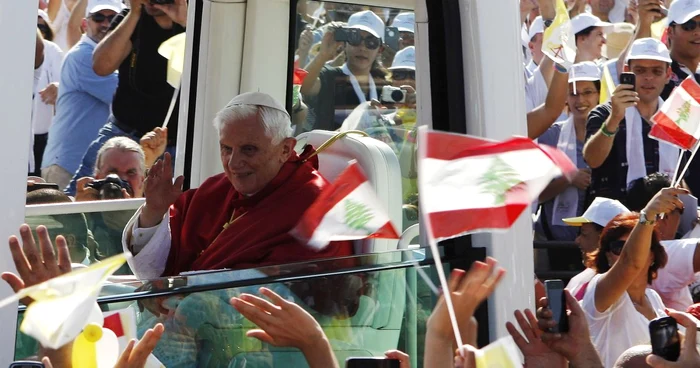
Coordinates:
(43, 28)
(99, 17)
(371, 42)
(616, 246)
(403, 74)
(688, 26)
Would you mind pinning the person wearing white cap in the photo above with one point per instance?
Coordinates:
(591, 225)
(84, 100)
(535, 34)
(44, 25)
(562, 199)
(236, 219)
(406, 24)
(143, 96)
(331, 92)
(618, 159)
(589, 31)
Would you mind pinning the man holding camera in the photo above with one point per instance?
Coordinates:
(143, 94)
(618, 148)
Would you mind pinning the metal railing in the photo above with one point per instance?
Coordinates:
(83, 207)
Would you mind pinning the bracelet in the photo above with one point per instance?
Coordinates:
(606, 132)
(560, 68)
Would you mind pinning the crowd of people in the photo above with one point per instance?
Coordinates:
(100, 121)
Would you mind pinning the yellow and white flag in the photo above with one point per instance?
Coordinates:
(607, 86)
(64, 305)
(559, 43)
(173, 49)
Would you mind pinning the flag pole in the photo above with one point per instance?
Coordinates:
(687, 164)
(678, 167)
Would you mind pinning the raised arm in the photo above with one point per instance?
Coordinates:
(73, 31)
(541, 118)
(329, 50)
(116, 46)
(635, 253)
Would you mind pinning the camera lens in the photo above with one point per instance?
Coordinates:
(397, 95)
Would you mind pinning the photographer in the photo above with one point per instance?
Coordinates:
(143, 94)
(333, 92)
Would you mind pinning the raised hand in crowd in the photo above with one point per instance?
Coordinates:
(467, 291)
(306, 40)
(154, 144)
(689, 354)
(177, 11)
(49, 94)
(284, 323)
(160, 192)
(574, 345)
(648, 12)
(465, 357)
(536, 352)
(403, 358)
(36, 264)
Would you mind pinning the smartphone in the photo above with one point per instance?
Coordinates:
(557, 303)
(663, 11)
(37, 186)
(372, 363)
(664, 338)
(26, 364)
(628, 78)
(391, 37)
(345, 34)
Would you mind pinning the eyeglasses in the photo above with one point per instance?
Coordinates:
(688, 26)
(99, 17)
(371, 42)
(403, 74)
(616, 246)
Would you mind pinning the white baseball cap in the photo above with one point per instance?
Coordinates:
(96, 5)
(405, 22)
(405, 59)
(536, 27)
(257, 99)
(600, 212)
(585, 20)
(369, 22)
(585, 71)
(648, 49)
(682, 11)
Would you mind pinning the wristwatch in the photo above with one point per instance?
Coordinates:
(547, 22)
(644, 220)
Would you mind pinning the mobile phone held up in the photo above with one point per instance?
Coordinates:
(628, 78)
(664, 338)
(372, 363)
(391, 38)
(557, 303)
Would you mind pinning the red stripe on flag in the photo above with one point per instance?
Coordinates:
(351, 178)
(447, 146)
(450, 224)
(692, 88)
(114, 323)
(386, 232)
(667, 130)
(561, 160)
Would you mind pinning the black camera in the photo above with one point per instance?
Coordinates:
(111, 187)
(350, 35)
(162, 2)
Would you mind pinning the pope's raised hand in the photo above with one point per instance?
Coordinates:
(160, 191)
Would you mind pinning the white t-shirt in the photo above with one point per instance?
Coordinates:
(49, 72)
(620, 327)
(60, 26)
(535, 90)
(673, 280)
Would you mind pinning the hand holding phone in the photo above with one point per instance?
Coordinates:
(628, 78)
(665, 341)
(557, 303)
(372, 363)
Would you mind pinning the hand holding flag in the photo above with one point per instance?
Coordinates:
(559, 43)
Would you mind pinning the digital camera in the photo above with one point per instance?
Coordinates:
(111, 187)
(392, 95)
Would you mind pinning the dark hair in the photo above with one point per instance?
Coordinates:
(73, 224)
(45, 196)
(46, 31)
(642, 190)
(584, 32)
(617, 228)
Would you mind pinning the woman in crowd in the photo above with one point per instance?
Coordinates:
(619, 303)
(333, 92)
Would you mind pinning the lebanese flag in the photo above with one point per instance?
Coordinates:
(678, 120)
(470, 184)
(347, 210)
